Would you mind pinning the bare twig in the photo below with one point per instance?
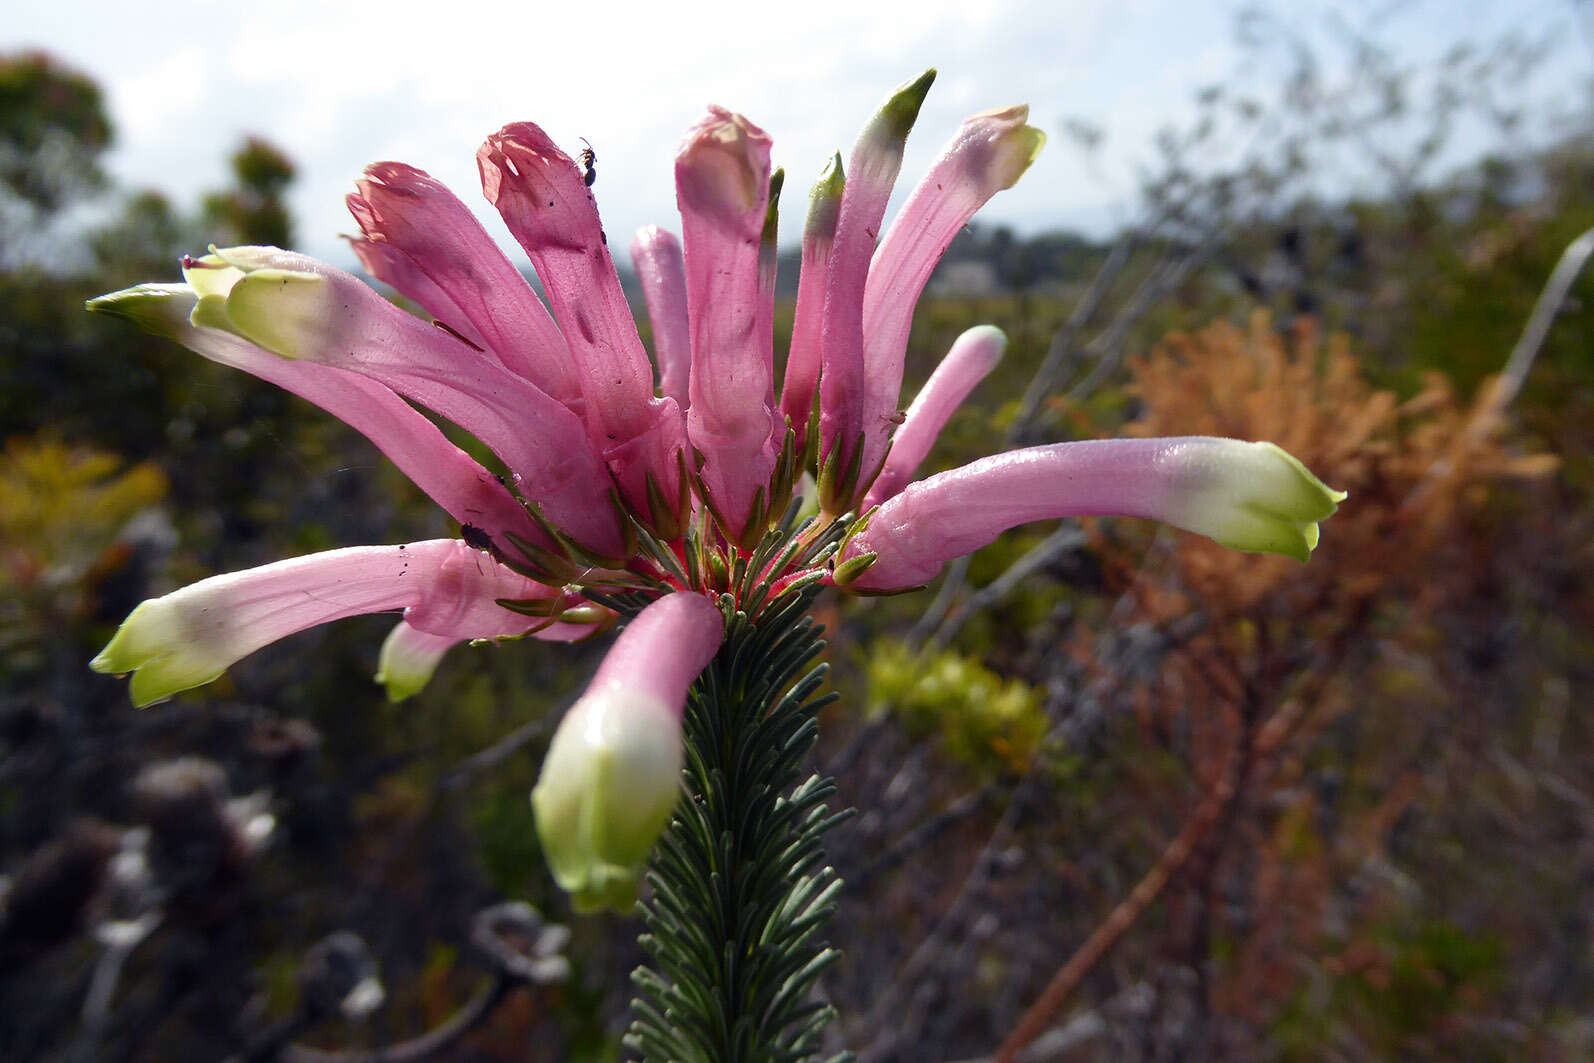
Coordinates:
(925, 956)
(428, 1044)
(1572, 261)
(1066, 538)
(1106, 935)
(925, 833)
(498, 752)
(1107, 347)
(1061, 350)
(957, 573)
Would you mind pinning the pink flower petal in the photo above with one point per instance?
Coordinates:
(461, 599)
(973, 355)
(544, 199)
(398, 271)
(989, 153)
(417, 216)
(801, 383)
(768, 276)
(722, 188)
(871, 172)
(453, 479)
(656, 256)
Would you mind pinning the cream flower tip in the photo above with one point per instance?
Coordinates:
(250, 257)
(256, 294)
(209, 276)
(1252, 496)
(1018, 153)
(607, 790)
(280, 309)
(408, 659)
(986, 345)
(1000, 147)
(155, 643)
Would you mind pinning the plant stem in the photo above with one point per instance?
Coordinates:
(740, 893)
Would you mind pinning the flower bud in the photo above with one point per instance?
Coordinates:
(613, 771)
(606, 793)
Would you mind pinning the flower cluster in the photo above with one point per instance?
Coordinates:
(667, 489)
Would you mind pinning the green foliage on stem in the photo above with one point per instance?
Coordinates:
(740, 891)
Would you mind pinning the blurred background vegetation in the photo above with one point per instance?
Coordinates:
(1123, 795)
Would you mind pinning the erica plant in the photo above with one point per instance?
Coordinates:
(666, 494)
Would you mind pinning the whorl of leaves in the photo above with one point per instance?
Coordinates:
(740, 893)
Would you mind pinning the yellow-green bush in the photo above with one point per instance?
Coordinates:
(977, 717)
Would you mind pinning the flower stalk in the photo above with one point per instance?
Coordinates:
(739, 891)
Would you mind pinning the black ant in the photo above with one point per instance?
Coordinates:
(589, 163)
(475, 538)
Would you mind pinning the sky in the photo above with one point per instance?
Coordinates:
(339, 85)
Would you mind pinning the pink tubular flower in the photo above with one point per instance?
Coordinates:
(876, 161)
(722, 187)
(656, 257)
(1249, 496)
(613, 771)
(801, 386)
(618, 501)
(973, 355)
(989, 154)
(545, 201)
(191, 636)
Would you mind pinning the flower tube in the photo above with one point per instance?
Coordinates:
(612, 775)
(656, 256)
(191, 636)
(298, 308)
(989, 153)
(544, 200)
(871, 173)
(399, 272)
(801, 385)
(1247, 496)
(972, 357)
(722, 187)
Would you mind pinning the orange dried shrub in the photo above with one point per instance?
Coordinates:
(1284, 649)
(1414, 469)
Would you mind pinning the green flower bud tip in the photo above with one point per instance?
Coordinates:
(161, 309)
(824, 201)
(901, 110)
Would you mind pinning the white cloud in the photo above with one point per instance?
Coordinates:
(336, 86)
